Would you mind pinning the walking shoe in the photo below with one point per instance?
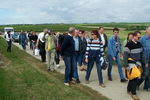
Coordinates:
(57, 65)
(78, 81)
(67, 84)
(102, 85)
(135, 97)
(109, 78)
(87, 81)
(123, 80)
(48, 70)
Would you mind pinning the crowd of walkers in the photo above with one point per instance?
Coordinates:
(80, 50)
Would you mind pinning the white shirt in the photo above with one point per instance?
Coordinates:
(41, 36)
(8, 38)
(102, 38)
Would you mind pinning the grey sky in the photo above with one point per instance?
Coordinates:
(72, 11)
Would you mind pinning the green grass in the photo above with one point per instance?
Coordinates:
(25, 78)
(64, 27)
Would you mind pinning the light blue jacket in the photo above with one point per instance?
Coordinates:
(145, 42)
(112, 46)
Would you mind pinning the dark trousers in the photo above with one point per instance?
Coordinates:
(9, 46)
(132, 85)
(90, 67)
(57, 57)
(145, 76)
(69, 64)
(42, 51)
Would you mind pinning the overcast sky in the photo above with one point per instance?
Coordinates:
(73, 11)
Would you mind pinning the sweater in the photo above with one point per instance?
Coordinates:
(134, 51)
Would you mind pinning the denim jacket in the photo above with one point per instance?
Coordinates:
(145, 42)
(112, 43)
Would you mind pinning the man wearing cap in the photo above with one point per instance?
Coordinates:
(41, 44)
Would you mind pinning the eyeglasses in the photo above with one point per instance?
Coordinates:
(139, 37)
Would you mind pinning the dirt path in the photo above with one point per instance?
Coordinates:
(114, 90)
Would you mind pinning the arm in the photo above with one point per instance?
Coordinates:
(110, 47)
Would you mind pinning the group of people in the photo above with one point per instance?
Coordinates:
(81, 51)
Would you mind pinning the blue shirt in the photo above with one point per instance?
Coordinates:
(76, 40)
(145, 42)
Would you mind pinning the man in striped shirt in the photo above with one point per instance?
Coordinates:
(94, 53)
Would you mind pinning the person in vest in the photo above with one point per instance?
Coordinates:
(114, 54)
(41, 44)
(9, 41)
(133, 57)
(94, 54)
(83, 45)
(50, 50)
(103, 37)
(23, 39)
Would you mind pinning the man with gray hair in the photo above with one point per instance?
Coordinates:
(68, 53)
(145, 41)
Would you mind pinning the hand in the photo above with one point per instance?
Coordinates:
(146, 65)
(86, 60)
(127, 68)
(121, 55)
(114, 58)
(62, 57)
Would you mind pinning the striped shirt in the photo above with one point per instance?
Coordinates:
(94, 48)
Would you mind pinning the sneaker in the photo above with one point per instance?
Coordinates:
(123, 80)
(87, 81)
(48, 70)
(102, 85)
(109, 78)
(67, 84)
(57, 65)
(78, 81)
(135, 97)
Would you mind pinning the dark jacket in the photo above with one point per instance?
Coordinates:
(106, 40)
(83, 45)
(68, 46)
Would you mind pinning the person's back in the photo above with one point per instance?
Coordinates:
(68, 47)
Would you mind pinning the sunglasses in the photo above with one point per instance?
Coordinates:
(139, 37)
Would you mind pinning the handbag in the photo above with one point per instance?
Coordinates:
(36, 52)
(133, 73)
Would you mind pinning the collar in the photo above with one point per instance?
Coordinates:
(147, 37)
(69, 34)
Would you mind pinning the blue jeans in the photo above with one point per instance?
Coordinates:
(75, 64)
(98, 66)
(70, 68)
(110, 62)
(82, 59)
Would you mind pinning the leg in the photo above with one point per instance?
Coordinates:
(89, 69)
(48, 59)
(99, 72)
(67, 61)
(110, 61)
(75, 69)
(52, 61)
(119, 67)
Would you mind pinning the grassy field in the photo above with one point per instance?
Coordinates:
(22, 77)
(64, 27)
